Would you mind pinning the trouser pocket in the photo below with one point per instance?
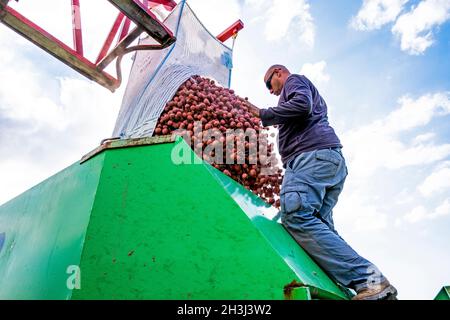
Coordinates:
(293, 198)
(326, 163)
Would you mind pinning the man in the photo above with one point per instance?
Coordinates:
(315, 174)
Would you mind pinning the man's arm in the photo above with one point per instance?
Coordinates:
(297, 106)
(254, 110)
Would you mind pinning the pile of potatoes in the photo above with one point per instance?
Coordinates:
(199, 102)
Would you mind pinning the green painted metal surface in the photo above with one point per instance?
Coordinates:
(444, 294)
(302, 293)
(141, 227)
(263, 215)
(165, 231)
(162, 231)
(44, 231)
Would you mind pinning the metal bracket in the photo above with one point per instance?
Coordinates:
(115, 143)
(144, 19)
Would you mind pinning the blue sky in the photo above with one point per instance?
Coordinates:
(382, 66)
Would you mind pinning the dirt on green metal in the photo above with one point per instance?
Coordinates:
(287, 290)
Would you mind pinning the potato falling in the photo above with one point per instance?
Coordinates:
(230, 137)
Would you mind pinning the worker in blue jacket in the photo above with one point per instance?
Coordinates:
(315, 174)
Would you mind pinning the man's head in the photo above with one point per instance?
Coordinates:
(275, 78)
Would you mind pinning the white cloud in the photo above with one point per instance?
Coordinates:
(230, 11)
(405, 197)
(256, 3)
(35, 108)
(415, 28)
(385, 150)
(376, 13)
(38, 146)
(421, 213)
(416, 215)
(46, 123)
(437, 182)
(60, 24)
(283, 19)
(97, 18)
(367, 218)
(296, 15)
(443, 209)
(415, 113)
(316, 72)
(356, 210)
(422, 138)
(285, 16)
(13, 180)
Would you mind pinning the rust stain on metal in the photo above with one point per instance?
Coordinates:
(115, 143)
(289, 287)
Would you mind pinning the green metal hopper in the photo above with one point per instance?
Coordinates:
(129, 223)
(444, 294)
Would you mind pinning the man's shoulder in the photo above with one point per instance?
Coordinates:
(296, 82)
(297, 79)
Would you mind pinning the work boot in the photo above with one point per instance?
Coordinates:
(382, 291)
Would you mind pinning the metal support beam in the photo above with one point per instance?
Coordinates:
(125, 28)
(231, 31)
(110, 37)
(168, 4)
(119, 49)
(144, 19)
(122, 48)
(76, 27)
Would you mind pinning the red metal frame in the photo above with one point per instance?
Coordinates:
(125, 29)
(168, 5)
(132, 10)
(104, 50)
(135, 11)
(55, 47)
(231, 31)
(76, 27)
(144, 19)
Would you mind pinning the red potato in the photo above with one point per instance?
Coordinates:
(200, 99)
